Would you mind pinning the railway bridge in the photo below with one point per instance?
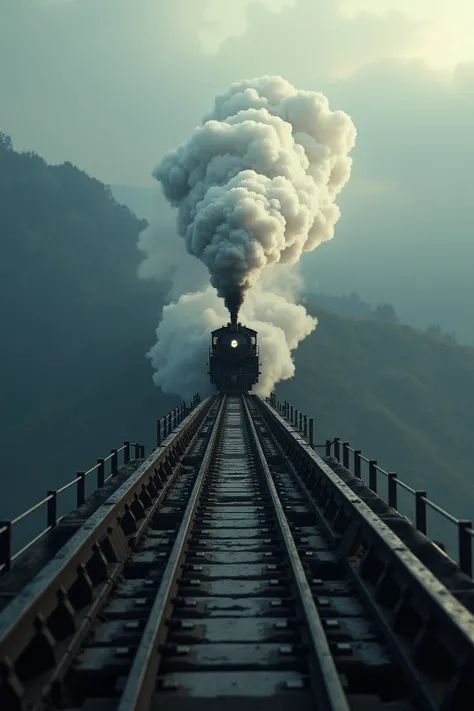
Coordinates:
(235, 568)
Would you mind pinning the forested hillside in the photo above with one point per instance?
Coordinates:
(402, 396)
(76, 323)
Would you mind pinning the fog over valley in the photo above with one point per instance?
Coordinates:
(307, 164)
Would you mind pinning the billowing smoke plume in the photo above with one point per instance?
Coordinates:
(255, 187)
(183, 336)
(256, 184)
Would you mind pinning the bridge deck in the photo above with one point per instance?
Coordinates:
(235, 569)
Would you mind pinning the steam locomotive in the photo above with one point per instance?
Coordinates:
(233, 359)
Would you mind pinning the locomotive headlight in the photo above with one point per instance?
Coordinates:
(234, 343)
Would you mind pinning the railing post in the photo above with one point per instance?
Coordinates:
(328, 448)
(52, 510)
(345, 455)
(158, 433)
(169, 423)
(6, 545)
(81, 488)
(126, 452)
(311, 432)
(137, 450)
(114, 461)
(291, 414)
(174, 418)
(301, 422)
(142, 451)
(464, 547)
(392, 490)
(420, 511)
(296, 418)
(100, 473)
(305, 426)
(336, 448)
(357, 453)
(373, 475)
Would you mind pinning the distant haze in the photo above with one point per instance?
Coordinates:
(108, 84)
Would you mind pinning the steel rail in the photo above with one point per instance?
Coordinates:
(386, 537)
(430, 595)
(39, 596)
(328, 692)
(102, 595)
(413, 675)
(141, 681)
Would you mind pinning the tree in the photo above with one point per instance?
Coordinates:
(5, 142)
(434, 330)
(385, 313)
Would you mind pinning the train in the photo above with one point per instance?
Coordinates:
(234, 359)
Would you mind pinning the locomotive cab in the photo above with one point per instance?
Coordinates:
(233, 358)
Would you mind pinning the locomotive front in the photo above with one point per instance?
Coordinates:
(233, 359)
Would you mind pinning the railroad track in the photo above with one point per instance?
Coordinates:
(233, 596)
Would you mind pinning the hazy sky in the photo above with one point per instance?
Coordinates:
(111, 84)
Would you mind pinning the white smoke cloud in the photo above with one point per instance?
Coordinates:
(180, 354)
(256, 183)
(255, 187)
(166, 260)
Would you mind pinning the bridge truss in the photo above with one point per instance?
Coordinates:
(235, 568)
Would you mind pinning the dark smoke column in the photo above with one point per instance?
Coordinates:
(256, 183)
(233, 301)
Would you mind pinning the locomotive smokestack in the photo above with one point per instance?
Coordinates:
(233, 302)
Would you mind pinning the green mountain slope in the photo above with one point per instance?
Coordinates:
(76, 323)
(400, 395)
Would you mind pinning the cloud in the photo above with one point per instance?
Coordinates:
(107, 85)
(96, 82)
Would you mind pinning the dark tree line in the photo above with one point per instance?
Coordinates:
(76, 323)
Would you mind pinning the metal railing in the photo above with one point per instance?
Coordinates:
(343, 452)
(8, 554)
(169, 422)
